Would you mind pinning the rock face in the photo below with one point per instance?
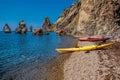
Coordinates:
(46, 26)
(21, 29)
(67, 23)
(6, 29)
(97, 17)
(37, 31)
(90, 17)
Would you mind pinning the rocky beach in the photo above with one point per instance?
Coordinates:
(83, 19)
(96, 65)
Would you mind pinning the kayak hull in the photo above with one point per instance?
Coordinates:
(84, 48)
(93, 39)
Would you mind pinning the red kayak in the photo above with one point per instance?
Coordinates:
(93, 39)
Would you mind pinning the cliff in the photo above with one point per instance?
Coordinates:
(99, 17)
(89, 17)
(67, 23)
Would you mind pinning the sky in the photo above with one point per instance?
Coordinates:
(32, 12)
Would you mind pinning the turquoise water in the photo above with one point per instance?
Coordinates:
(18, 50)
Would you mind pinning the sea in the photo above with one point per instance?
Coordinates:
(20, 50)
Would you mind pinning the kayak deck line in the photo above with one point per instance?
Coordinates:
(93, 39)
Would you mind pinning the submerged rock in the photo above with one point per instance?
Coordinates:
(31, 28)
(21, 29)
(46, 26)
(6, 29)
(37, 31)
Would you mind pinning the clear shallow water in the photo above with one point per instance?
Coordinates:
(19, 50)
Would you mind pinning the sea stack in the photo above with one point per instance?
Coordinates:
(21, 29)
(46, 26)
(6, 29)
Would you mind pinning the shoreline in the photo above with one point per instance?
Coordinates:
(33, 68)
(96, 65)
(54, 69)
(50, 70)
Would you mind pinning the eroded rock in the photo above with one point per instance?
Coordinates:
(37, 31)
(68, 20)
(90, 17)
(21, 29)
(6, 29)
(46, 26)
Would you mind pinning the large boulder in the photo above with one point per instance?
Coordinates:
(46, 26)
(37, 31)
(21, 29)
(6, 29)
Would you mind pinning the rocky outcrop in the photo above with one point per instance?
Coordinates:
(46, 26)
(98, 17)
(66, 24)
(37, 31)
(90, 17)
(6, 29)
(21, 29)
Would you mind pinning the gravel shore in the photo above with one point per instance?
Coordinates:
(96, 65)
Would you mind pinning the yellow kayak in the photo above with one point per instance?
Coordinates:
(84, 48)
